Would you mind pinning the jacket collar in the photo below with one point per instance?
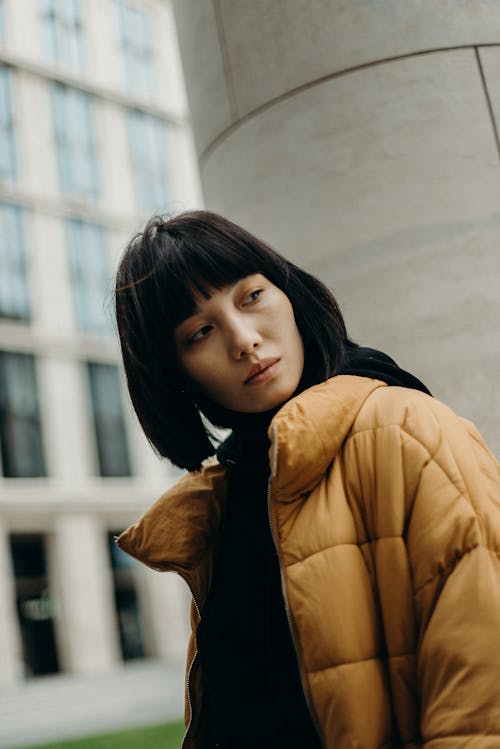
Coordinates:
(307, 433)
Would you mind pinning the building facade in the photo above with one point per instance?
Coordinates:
(94, 138)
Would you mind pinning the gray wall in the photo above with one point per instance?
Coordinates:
(360, 139)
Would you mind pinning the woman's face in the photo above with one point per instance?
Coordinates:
(242, 346)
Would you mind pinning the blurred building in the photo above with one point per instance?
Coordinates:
(93, 139)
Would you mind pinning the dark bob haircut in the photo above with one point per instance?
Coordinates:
(158, 274)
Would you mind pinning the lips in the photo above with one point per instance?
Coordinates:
(260, 367)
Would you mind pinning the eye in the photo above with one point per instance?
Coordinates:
(201, 333)
(253, 296)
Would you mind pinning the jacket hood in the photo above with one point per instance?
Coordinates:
(309, 430)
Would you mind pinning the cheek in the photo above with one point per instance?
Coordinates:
(206, 371)
(193, 367)
(295, 340)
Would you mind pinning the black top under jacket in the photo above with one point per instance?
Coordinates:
(248, 660)
(252, 682)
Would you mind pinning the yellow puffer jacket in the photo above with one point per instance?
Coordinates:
(385, 510)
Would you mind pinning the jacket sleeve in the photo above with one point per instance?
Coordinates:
(453, 541)
(435, 518)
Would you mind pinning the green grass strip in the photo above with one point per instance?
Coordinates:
(164, 736)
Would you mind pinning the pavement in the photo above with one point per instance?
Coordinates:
(53, 708)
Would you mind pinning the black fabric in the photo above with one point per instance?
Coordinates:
(368, 362)
(252, 682)
(248, 659)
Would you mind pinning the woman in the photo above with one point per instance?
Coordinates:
(342, 549)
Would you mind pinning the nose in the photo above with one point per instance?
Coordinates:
(244, 339)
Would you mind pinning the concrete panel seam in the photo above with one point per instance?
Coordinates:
(488, 99)
(228, 75)
(227, 132)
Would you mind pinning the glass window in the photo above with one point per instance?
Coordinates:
(62, 21)
(109, 425)
(148, 141)
(20, 427)
(73, 112)
(36, 606)
(7, 150)
(14, 298)
(126, 603)
(134, 28)
(90, 276)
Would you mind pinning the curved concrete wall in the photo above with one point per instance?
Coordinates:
(360, 139)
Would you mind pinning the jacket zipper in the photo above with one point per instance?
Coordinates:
(188, 675)
(283, 591)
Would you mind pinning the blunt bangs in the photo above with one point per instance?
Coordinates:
(198, 265)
